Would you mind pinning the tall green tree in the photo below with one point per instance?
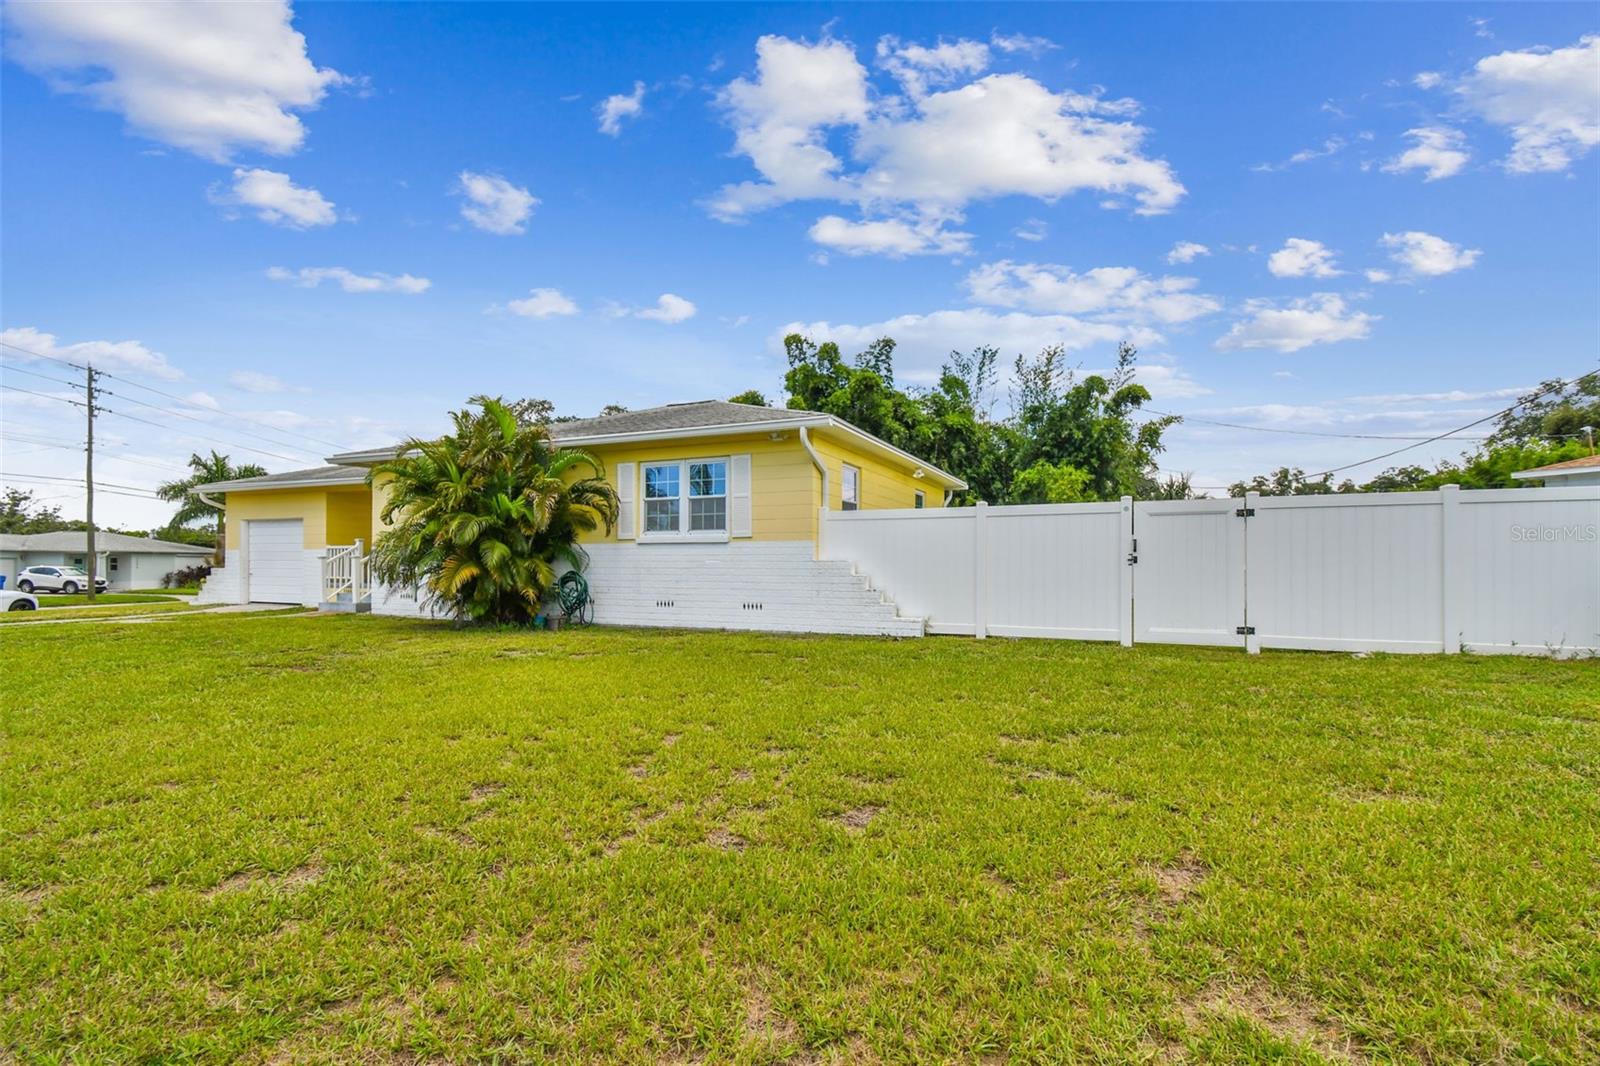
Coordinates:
(1089, 424)
(21, 513)
(204, 470)
(481, 518)
(1553, 411)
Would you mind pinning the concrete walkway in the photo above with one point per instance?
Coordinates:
(162, 616)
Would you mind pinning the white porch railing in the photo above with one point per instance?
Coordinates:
(347, 574)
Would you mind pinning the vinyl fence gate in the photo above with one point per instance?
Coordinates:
(1498, 571)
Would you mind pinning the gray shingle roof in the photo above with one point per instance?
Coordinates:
(700, 414)
(104, 541)
(317, 475)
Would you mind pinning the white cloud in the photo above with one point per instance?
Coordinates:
(543, 303)
(1453, 396)
(203, 399)
(669, 308)
(1035, 229)
(1022, 43)
(27, 344)
(918, 67)
(494, 205)
(1549, 100)
(1300, 258)
(255, 381)
(1112, 293)
(1331, 146)
(925, 155)
(1378, 277)
(349, 281)
(893, 237)
(1319, 319)
(1428, 79)
(276, 199)
(1423, 254)
(1439, 150)
(207, 78)
(613, 109)
(1187, 252)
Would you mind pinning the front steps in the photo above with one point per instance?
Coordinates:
(766, 587)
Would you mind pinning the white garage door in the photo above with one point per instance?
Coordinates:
(276, 561)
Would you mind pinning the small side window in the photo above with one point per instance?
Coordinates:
(850, 489)
(921, 500)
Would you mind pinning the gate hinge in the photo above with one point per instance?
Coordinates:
(1245, 512)
(1133, 555)
(1245, 631)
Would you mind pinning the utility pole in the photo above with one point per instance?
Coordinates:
(88, 478)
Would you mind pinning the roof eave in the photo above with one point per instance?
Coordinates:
(728, 429)
(255, 485)
(949, 479)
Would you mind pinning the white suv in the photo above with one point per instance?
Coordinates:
(69, 579)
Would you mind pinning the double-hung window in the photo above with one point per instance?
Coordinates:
(686, 499)
(850, 489)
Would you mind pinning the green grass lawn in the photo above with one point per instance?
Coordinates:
(229, 838)
(80, 599)
(180, 590)
(100, 610)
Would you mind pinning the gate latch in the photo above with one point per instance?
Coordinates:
(1133, 556)
(1245, 631)
(1245, 512)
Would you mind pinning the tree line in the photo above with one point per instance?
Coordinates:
(1552, 423)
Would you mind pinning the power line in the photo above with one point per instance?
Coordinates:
(13, 368)
(180, 414)
(180, 399)
(44, 395)
(1552, 387)
(167, 468)
(196, 436)
(1297, 432)
(55, 477)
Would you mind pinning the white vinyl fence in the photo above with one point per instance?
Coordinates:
(1502, 571)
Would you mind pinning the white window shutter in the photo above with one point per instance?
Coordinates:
(739, 496)
(626, 482)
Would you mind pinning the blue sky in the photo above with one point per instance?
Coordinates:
(331, 224)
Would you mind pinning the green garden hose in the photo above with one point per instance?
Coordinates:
(573, 591)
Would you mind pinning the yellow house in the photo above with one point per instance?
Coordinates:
(721, 508)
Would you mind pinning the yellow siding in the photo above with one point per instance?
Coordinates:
(884, 484)
(784, 487)
(350, 516)
(329, 516)
(308, 505)
(380, 496)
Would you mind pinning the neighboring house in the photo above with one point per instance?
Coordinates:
(1573, 472)
(125, 562)
(718, 528)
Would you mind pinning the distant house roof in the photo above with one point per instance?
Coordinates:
(316, 477)
(120, 543)
(1586, 464)
(699, 418)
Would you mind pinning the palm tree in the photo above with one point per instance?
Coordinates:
(479, 519)
(191, 508)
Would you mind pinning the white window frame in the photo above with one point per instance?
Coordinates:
(683, 534)
(919, 499)
(849, 503)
